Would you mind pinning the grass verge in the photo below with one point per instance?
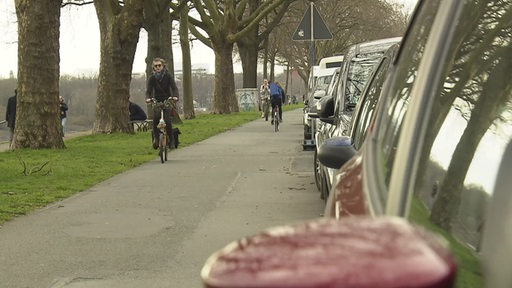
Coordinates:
(32, 179)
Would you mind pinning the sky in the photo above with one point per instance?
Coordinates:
(79, 43)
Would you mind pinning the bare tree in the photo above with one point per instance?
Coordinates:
(223, 25)
(250, 42)
(37, 115)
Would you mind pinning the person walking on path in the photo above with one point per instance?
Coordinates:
(161, 86)
(264, 98)
(63, 114)
(10, 114)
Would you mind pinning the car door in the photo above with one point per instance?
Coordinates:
(445, 124)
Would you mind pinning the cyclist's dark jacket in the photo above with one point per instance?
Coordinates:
(161, 86)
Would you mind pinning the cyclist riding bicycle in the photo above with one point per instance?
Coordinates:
(161, 86)
(276, 98)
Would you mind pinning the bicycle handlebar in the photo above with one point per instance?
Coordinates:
(166, 103)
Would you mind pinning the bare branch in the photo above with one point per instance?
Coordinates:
(77, 3)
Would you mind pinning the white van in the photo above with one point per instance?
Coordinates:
(331, 62)
(328, 63)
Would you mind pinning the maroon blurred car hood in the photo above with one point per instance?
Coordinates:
(356, 252)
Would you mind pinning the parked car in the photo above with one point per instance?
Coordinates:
(434, 147)
(323, 96)
(322, 84)
(335, 113)
(437, 154)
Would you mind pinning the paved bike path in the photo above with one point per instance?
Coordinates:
(155, 225)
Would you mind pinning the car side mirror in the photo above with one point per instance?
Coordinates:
(319, 94)
(336, 151)
(325, 107)
(352, 252)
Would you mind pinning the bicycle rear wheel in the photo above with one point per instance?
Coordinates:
(166, 149)
(276, 120)
(161, 144)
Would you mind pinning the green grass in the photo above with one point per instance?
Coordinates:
(469, 269)
(32, 179)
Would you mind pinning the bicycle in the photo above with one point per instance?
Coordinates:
(163, 138)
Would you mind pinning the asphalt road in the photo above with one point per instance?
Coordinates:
(155, 225)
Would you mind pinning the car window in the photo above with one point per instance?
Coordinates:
(469, 129)
(359, 70)
(397, 101)
(368, 103)
(334, 80)
(323, 81)
(469, 126)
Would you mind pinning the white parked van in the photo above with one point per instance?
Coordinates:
(331, 62)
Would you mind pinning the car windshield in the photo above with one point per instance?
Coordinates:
(322, 82)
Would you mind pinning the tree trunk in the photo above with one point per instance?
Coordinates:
(248, 46)
(272, 59)
(37, 110)
(287, 78)
(158, 24)
(248, 51)
(119, 28)
(265, 56)
(224, 98)
(188, 99)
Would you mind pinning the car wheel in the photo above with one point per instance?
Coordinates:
(318, 173)
(307, 133)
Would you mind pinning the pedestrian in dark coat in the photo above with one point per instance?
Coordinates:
(10, 114)
(136, 112)
(63, 114)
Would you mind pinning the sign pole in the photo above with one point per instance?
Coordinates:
(312, 43)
